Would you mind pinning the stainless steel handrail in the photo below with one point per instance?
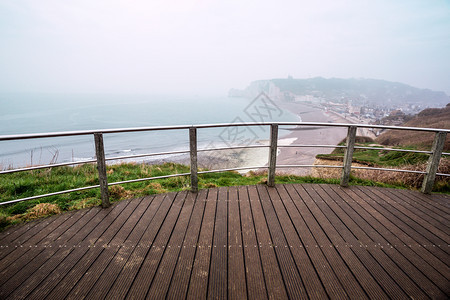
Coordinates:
(147, 154)
(435, 153)
(153, 128)
(49, 166)
(232, 148)
(310, 146)
(387, 169)
(393, 149)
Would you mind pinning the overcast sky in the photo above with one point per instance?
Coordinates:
(207, 47)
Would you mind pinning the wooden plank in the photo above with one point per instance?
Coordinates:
(368, 272)
(27, 264)
(348, 155)
(396, 237)
(128, 273)
(237, 288)
(311, 239)
(272, 154)
(101, 167)
(425, 201)
(163, 276)
(274, 281)
(311, 281)
(126, 221)
(43, 237)
(145, 276)
(218, 270)
(88, 248)
(421, 235)
(179, 284)
(43, 272)
(23, 239)
(292, 279)
(256, 287)
(337, 257)
(433, 162)
(442, 200)
(6, 247)
(406, 234)
(193, 158)
(419, 212)
(16, 231)
(64, 259)
(385, 240)
(109, 276)
(439, 201)
(383, 269)
(438, 236)
(293, 224)
(198, 286)
(60, 248)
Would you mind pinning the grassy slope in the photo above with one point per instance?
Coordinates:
(378, 158)
(428, 118)
(25, 184)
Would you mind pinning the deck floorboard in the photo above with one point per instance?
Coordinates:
(294, 241)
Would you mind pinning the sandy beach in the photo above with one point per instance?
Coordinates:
(300, 135)
(307, 135)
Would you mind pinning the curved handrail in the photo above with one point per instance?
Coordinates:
(435, 153)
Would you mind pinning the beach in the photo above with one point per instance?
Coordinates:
(299, 135)
(307, 135)
(140, 112)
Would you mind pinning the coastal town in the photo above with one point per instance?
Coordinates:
(361, 101)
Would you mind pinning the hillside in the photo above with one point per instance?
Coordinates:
(428, 118)
(364, 91)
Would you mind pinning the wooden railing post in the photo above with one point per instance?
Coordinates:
(272, 154)
(433, 162)
(193, 152)
(101, 166)
(348, 155)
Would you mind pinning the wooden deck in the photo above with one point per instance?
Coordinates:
(291, 241)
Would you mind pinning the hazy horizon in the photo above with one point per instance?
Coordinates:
(201, 48)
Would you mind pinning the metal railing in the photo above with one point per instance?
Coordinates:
(430, 173)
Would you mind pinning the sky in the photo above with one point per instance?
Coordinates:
(199, 47)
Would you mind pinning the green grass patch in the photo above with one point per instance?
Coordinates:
(380, 158)
(26, 184)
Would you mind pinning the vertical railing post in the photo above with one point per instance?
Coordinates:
(193, 152)
(272, 154)
(348, 155)
(101, 166)
(433, 162)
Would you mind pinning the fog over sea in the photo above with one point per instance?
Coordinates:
(39, 113)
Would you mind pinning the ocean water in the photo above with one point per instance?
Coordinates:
(39, 113)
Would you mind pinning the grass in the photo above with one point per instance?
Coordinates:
(26, 184)
(380, 158)
(387, 159)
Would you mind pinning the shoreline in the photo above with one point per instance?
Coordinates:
(258, 157)
(309, 136)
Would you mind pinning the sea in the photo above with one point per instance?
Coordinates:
(42, 113)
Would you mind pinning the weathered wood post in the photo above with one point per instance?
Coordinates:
(272, 154)
(348, 155)
(193, 153)
(433, 162)
(101, 166)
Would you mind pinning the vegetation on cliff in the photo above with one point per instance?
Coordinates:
(428, 118)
